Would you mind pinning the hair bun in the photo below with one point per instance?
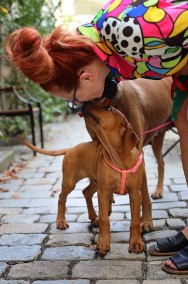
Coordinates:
(27, 51)
(30, 39)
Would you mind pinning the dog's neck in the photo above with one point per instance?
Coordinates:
(114, 152)
(127, 160)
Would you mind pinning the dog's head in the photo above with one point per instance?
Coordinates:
(111, 125)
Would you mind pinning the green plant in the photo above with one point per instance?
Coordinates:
(12, 126)
(51, 106)
(16, 14)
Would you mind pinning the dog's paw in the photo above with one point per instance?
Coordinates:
(137, 246)
(157, 194)
(103, 245)
(146, 226)
(61, 224)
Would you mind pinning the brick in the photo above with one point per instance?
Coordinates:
(155, 272)
(13, 282)
(68, 253)
(11, 186)
(14, 203)
(19, 253)
(6, 211)
(155, 235)
(3, 267)
(175, 223)
(30, 175)
(40, 181)
(78, 281)
(23, 228)
(179, 180)
(7, 195)
(108, 269)
(119, 226)
(76, 210)
(119, 237)
(44, 202)
(124, 281)
(81, 239)
(6, 158)
(22, 239)
(183, 195)
(37, 270)
(120, 251)
(168, 205)
(35, 187)
(156, 214)
(120, 208)
(168, 197)
(52, 218)
(40, 210)
(179, 212)
(159, 224)
(178, 187)
(20, 218)
(73, 228)
(120, 200)
(166, 281)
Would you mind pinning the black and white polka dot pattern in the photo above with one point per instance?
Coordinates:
(125, 35)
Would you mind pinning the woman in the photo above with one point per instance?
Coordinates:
(126, 40)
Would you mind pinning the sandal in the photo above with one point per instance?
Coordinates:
(169, 245)
(180, 259)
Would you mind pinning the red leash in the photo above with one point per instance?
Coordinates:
(107, 102)
(158, 127)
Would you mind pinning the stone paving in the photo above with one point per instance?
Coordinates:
(32, 250)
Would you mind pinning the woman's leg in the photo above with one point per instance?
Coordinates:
(182, 126)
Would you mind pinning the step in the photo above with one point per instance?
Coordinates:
(6, 158)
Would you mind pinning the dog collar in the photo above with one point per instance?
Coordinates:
(125, 172)
(110, 88)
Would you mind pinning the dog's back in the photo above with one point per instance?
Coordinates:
(146, 104)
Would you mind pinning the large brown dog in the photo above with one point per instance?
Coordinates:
(115, 145)
(146, 104)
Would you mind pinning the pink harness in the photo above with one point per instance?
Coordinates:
(125, 172)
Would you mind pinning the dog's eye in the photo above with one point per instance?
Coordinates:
(108, 107)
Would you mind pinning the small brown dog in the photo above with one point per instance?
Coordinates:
(114, 165)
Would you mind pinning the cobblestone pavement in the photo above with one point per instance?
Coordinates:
(32, 250)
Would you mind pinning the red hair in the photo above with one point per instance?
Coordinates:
(53, 60)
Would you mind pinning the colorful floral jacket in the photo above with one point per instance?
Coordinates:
(142, 38)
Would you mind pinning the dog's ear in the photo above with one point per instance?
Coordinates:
(130, 138)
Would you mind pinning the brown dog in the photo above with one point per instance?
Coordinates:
(115, 147)
(146, 104)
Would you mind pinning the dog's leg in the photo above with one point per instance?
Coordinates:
(88, 193)
(110, 204)
(61, 222)
(103, 242)
(157, 144)
(146, 220)
(136, 244)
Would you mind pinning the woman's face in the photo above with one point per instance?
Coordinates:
(90, 84)
(87, 88)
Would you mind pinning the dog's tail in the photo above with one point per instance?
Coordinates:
(42, 151)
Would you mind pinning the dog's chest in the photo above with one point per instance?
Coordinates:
(119, 184)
